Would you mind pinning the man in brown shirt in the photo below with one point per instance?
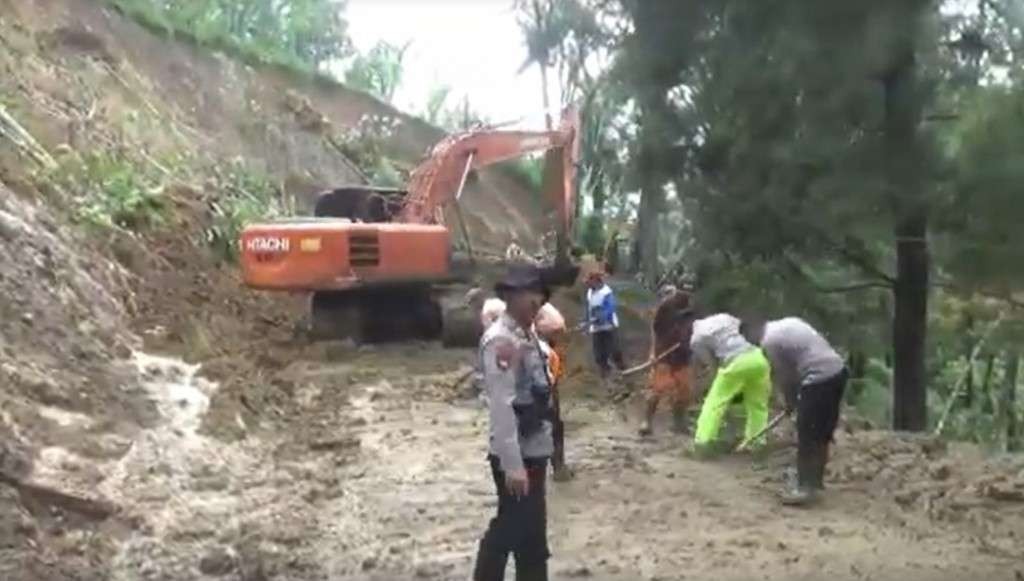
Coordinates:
(670, 376)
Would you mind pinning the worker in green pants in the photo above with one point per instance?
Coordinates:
(738, 368)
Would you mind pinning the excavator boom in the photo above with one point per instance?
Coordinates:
(439, 180)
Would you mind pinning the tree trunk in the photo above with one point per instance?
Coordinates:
(968, 397)
(857, 363)
(904, 163)
(542, 63)
(910, 325)
(547, 100)
(1009, 408)
(986, 386)
(647, 230)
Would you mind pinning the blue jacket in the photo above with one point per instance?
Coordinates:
(601, 309)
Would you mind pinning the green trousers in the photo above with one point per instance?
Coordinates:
(748, 374)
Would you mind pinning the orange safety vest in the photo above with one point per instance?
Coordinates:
(555, 367)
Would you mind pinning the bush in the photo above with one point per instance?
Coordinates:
(111, 192)
(592, 235)
(245, 196)
(365, 144)
(871, 395)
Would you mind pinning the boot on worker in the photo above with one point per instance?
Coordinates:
(810, 376)
(669, 379)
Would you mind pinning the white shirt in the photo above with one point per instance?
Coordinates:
(717, 339)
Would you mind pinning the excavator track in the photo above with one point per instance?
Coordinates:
(376, 315)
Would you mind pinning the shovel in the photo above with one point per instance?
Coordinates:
(775, 421)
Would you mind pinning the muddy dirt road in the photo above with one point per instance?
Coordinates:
(376, 471)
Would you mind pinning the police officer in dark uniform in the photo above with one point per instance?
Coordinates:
(518, 393)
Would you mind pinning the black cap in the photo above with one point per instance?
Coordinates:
(523, 277)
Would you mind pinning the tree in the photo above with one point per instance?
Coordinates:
(379, 71)
(307, 33)
(435, 104)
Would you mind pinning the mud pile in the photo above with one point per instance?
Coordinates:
(949, 483)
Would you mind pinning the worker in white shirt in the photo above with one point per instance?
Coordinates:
(733, 366)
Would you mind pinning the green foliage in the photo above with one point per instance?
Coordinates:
(244, 196)
(986, 146)
(378, 72)
(366, 145)
(784, 147)
(435, 104)
(461, 117)
(528, 171)
(111, 191)
(592, 235)
(300, 34)
(871, 395)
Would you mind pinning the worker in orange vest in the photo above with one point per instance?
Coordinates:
(550, 327)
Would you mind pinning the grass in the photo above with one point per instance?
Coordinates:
(163, 23)
(111, 192)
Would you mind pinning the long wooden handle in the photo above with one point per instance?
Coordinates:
(775, 421)
(651, 362)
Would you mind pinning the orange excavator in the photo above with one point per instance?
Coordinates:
(378, 261)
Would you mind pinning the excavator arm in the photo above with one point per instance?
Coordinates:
(441, 178)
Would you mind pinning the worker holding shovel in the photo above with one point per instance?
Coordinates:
(602, 322)
(733, 366)
(670, 358)
(811, 377)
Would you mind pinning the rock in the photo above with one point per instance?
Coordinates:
(369, 564)
(933, 446)
(424, 572)
(217, 563)
(334, 444)
(579, 572)
(826, 532)
(15, 461)
(906, 497)
(941, 472)
(1006, 492)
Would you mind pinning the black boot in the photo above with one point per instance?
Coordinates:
(803, 492)
(818, 470)
(679, 424)
(490, 564)
(533, 571)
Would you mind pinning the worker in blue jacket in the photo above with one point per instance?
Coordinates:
(602, 322)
